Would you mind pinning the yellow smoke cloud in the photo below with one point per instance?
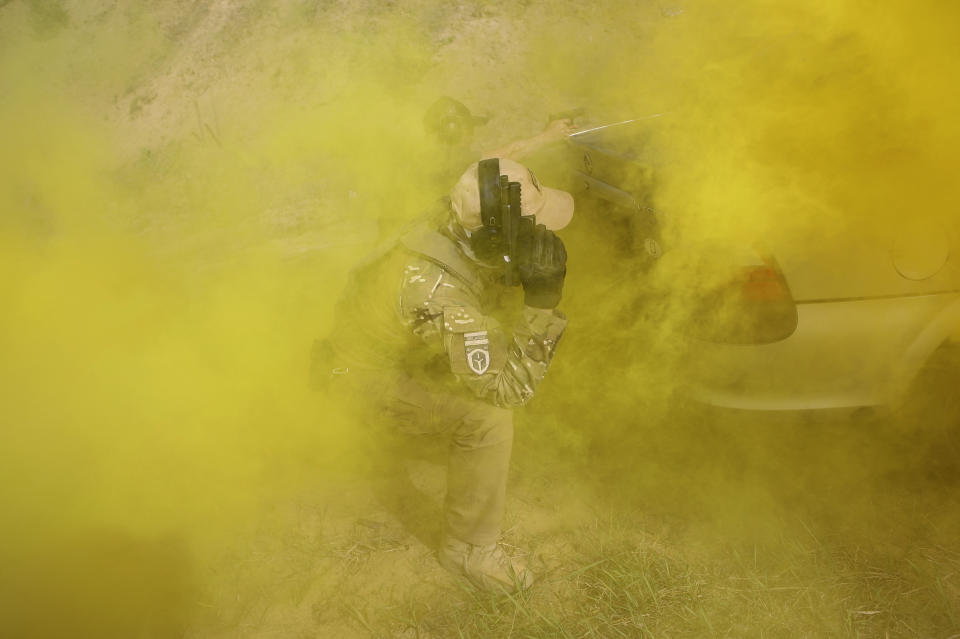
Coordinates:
(183, 189)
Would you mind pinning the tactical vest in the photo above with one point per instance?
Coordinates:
(369, 332)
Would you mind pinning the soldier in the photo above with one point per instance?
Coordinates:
(451, 124)
(422, 334)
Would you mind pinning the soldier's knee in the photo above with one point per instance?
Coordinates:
(485, 425)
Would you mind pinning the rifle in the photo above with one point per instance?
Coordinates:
(504, 230)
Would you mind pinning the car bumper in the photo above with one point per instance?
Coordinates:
(844, 354)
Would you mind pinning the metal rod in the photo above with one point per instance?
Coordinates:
(597, 128)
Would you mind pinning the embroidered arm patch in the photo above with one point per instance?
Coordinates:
(473, 348)
(477, 349)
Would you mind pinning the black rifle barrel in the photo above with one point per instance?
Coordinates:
(506, 220)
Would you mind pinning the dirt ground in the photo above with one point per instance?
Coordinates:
(731, 536)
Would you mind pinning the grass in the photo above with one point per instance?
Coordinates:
(642, 592)
(609, 571)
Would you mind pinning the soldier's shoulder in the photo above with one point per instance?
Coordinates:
(424, 279)
(436, 246)
(417, 269)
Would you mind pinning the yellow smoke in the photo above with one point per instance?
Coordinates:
(183, 188)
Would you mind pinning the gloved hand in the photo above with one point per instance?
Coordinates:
(542, 267)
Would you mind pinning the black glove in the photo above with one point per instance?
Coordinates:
(542, 266)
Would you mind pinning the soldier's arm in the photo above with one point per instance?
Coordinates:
(499, 367)
(519, 149)
(515, 363)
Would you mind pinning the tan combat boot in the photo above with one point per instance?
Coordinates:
(487, 567)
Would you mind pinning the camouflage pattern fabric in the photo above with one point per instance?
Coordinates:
(500, 367)
(423, 301)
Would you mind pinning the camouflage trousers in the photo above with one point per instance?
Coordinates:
(478, 438)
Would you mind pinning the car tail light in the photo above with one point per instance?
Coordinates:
(755, 307)
(763, 284)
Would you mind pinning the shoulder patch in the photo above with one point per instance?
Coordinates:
(474, 347)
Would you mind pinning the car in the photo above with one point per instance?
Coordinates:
(847, 322)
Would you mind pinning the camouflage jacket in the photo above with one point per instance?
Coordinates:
(424, 308)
